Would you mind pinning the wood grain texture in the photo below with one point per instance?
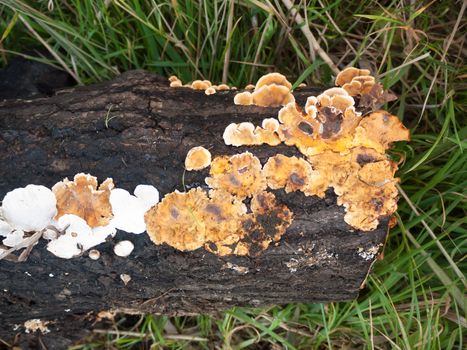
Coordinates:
(136, 130)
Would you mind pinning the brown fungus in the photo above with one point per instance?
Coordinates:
(239, 174)
(294, 174)
(359, 83)
(348, 74)
(223, 87)
(176, 220)
(364, 182)
(218, 222)
(197, 158)
(379, 130)
(267, 224)
(82, 198)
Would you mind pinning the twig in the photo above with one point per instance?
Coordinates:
(314, 45)
(24, 244)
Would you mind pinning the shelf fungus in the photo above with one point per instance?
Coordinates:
(217, 221)
(239, 175)
(294, 174)
(247, 133)
(271, 90)
(359, 83)
(205, 85)
(344, 141)
(197, 158)
(82, 198)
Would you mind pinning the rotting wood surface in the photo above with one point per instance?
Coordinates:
(137, 130)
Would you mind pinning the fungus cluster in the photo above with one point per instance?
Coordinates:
(271, 90)
(367, 91)
(219, 220)
(206, 85)
(343, 147)
(74, 216)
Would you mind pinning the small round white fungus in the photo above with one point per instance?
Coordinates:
(94, 254)
(123, 248)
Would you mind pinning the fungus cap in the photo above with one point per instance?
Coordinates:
(29, 208)
(239, 175)
(123, 248)
(273, 78)
(243, 98)
(174, 220)
(129, 210)
(210, 91)
(200, 84)
(272, 96)
(148, 194)
(176, 83)
(14, 238)
(5, 228)
(197, 158)
(81, 197)
(78, 236)
(348, 74)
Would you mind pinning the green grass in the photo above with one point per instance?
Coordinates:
(414, 298)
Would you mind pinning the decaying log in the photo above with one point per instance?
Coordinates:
(137, 130)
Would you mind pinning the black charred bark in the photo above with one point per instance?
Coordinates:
(136, 130)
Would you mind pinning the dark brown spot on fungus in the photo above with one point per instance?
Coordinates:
(332, 121)
(306, 128)
(239, 175)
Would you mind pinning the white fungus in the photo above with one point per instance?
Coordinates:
(94, 254)
(14, 238)
(78, 236)
(123, 248)
(5, 228)
(29, 208)
(129, 210)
